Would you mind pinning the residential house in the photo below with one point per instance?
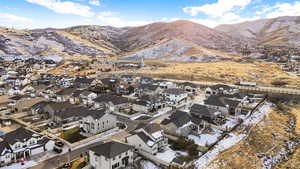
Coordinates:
(148, 89)
(64, 94)
(87, 97)
(143, 142)
(97, 121)
(111, 101)
(224, 104)
(220, 89)
(175, 95)
(21, 144)
(209, 115)
(189, 87)
(83, 82)
(111, 155)
(155, 132)
(180, 123)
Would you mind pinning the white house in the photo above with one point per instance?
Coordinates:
(175, 95)
(156, 133)
(143, 142)
(181, 124)
(97, 121)
(220, 89)
(21, 144)
(111, 155)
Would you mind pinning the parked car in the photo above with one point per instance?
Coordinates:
(58, 147)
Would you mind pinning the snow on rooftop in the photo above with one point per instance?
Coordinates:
(157, 134)
(150, 143)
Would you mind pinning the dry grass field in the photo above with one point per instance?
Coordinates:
(267, 137)
(294, 161)
(225, 71)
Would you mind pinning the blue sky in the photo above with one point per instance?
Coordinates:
(65, 13)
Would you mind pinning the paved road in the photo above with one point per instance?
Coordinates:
(62, 159)
(57, 161)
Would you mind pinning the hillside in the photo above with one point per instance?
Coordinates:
(281, 31)
(183, 37)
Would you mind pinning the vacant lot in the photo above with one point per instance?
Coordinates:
(226, 71)
(267, 138)
(294, 161)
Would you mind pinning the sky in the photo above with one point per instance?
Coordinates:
(29, 14)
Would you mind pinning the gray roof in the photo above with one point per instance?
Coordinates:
(174, 91)
(144, 137)
(21, 134)
(221, 101)
(202, 110)
(179, 118)
(5, 146)
(111, 149)
(79, 112)
(116, 100)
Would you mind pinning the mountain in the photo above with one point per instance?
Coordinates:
(281, 31)
(158, 39)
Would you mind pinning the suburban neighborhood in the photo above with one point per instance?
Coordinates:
(117, 121)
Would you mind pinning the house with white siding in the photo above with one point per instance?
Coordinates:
(97, 121)
(111, 155)
(21, 144)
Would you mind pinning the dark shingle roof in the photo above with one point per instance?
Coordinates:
(179, 118)
(110, 149)
(174, 91)
(221, 101)
(4, 146)
(80, 112)
(20, 134)
(203, 110)
(116, 100)
(144, 137)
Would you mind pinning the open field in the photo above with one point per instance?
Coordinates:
(294, 161)
(226, 71)
(267, 138)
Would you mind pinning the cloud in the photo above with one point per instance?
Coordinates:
(217, 9)
(95, 2)
(284, 9)
(10, 18)
(65, 7)
(113, 19)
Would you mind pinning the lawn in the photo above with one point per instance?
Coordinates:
(144, 118)
(73, 135)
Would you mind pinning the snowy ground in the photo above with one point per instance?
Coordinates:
(148, 165)
(138, 116)
(27, 164)
(206, 139)
(168, 155)
(232, 138)
(163, 111)
(230, 123)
